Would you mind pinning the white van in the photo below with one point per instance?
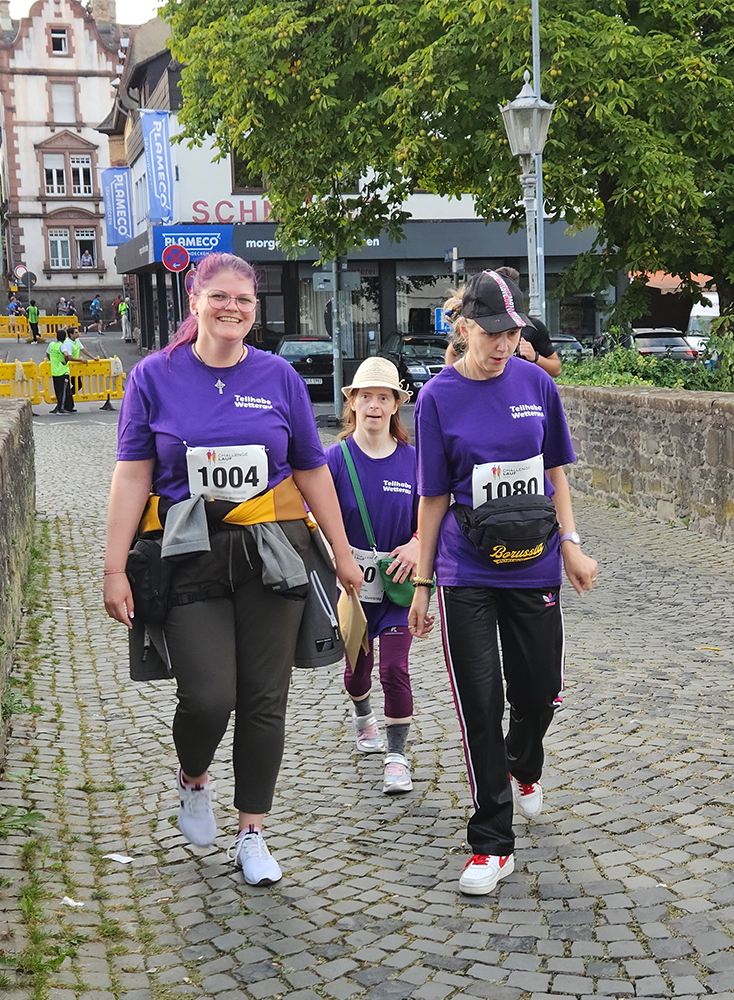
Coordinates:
(699, 325)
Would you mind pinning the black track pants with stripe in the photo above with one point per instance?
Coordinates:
(530, 628)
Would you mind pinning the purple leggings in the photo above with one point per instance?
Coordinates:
(394, 648)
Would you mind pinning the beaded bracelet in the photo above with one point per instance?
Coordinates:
(420, 581)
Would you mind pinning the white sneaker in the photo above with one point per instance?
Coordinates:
(528, 798)
(195, 816)
(368, 735)
(250, 851)
(482, 872)
(397, 774)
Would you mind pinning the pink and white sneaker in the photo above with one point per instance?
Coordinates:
(528, 798)
(368, 735)
(397, 774)
(482, 872)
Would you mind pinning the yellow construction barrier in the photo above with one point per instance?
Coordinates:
(18, 327)
(95, 381)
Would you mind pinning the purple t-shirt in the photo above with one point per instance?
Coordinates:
(460, 423)
(389, 487)
(171, 401)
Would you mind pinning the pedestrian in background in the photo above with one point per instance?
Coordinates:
(33, 319)
(535, 343)
(124, 311)
(230, 638)
(490, 430)
(60, 374)
(96, 311)
(384, 464)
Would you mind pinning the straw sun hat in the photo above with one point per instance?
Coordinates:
(377, 373)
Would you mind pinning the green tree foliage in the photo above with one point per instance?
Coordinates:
(316, 94)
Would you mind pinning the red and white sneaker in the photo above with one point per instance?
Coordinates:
(483, 871)
(528, 798)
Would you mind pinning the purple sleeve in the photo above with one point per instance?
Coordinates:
(135, 440)
(557, 445)
(305, 450)
(433, 467)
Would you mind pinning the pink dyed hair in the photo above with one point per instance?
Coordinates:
(206, 271)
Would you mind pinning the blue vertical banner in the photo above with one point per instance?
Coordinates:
(158, 164)
(118, 207)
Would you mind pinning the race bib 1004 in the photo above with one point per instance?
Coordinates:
(373, 589)
(504, 479)
(236, 473)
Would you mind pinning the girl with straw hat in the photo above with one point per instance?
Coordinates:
(377, 446)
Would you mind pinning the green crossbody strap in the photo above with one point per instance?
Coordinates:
(359, 495)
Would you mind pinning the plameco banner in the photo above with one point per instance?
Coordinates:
(118, 209)
(158, 164)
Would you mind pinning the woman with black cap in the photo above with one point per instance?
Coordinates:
(490, 430)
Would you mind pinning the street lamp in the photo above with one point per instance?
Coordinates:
(526, 122)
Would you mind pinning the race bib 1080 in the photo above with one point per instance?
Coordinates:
(236, 473)
(493, 480)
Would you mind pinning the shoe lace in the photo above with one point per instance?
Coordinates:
(478, 859)
(370, 732)
(250, 843)
(395, 770)
(526, 789)
(199, 802)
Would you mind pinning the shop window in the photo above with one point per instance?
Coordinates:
(59, 42)
(420, 289)
(141, 199)
(81, 174)
(54, 173)
(59, 248)
(86, 248)
(63, 102)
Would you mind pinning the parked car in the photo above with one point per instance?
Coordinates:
(567, 346)
(417, 356)
(314, 360)
(661, 342)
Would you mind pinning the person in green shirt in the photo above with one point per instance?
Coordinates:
(60, 374)
(33, 319)
(73, 349)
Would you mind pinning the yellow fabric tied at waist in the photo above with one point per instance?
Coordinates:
(283, 503)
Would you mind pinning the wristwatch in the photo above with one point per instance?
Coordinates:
(535, 359)
(572, 536)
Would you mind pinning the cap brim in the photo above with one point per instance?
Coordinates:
(404, 396)
(501, 321)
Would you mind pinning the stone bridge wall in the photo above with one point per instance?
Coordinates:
(664, 451)
(17, 504)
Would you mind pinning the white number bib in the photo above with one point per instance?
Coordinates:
(235, 473)
(503, 479)
(373, 590)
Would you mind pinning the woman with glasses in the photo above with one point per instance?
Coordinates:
(210, 416)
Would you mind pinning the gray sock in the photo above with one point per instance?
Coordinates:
(363, 707)
(397, 734)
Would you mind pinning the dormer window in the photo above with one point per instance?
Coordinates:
(59, 41)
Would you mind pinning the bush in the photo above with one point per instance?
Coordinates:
(626, 367)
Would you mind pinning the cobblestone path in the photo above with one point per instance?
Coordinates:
(624, 887)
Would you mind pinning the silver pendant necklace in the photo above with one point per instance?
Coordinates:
(218, 384)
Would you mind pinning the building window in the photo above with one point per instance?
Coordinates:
(63, 102)
(81, 174)
(59, 41)
(59, 247)
(141, 199)
(86, 248)
(242, 178)
(54, 173)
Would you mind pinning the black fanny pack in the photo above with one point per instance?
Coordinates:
(150, 580)
(510, 531)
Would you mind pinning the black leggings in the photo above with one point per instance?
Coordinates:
(234, 653)
(531, 633)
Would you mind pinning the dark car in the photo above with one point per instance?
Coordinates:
(567, 346)
(314, 360)
(661, 342)
(417, 356)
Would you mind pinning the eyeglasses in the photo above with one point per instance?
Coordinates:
(220, 300)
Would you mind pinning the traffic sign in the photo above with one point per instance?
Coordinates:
(448, 256)
(175, 257)
(189, 281)
(28, 279)
(20, 270)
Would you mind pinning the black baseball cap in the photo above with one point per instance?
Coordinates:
(494, 302)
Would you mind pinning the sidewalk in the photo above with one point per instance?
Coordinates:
(625, 887)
